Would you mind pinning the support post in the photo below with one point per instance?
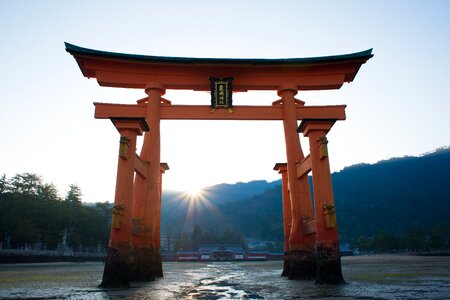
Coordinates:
(158, 264)
(329, 269)
(287, 214)
(301, 250)
(146, 255)
(116, 272)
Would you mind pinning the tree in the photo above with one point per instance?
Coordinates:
(415, 239)
(25, 232)
(74, 194)
(229, 236)
(363, 243)
(270, 247)
(104, 209)
(439, 237)
(169, 239)
(196, 237)
(183, 241)
(29, 213)
(26, 183)
(4, 184)
(385, 241)
(48, 191)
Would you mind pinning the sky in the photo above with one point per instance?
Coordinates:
(397, 105)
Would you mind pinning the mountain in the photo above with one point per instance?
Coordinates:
(400, 203)
(176, 205)
(395, 195)
(225, 192)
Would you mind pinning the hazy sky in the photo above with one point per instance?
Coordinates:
(398, 104)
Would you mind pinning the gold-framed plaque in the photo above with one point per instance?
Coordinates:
(221, 92)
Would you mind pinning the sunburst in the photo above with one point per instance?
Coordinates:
(197, 199)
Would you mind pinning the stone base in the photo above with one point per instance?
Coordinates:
(158, 263)
(115, 274)
(302, 264)
(329, 269)
(285, 272)
(145, 264)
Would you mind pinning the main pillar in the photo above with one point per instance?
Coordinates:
(116, 272)
(146, 255)
(287, 214)
(327, 241)
(301, 250)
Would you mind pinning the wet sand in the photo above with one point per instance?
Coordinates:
(368, 277)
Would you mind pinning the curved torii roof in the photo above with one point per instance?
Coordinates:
(134, 71)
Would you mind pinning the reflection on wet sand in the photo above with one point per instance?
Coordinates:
(368, 277)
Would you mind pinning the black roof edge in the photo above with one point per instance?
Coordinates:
(73, 49)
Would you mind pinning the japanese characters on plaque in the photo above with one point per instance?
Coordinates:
(221, 92)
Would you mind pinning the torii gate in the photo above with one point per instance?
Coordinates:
(311, 239)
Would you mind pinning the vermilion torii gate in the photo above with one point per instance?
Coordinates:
(311, 238)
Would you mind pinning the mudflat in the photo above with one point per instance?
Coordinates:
(368, 277)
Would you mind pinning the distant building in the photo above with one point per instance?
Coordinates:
(222, 253)
(187, 256)
(257, 255)
(275, 256)
(164, 242)
(257, 244)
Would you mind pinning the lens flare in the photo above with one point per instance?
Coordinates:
(194, 192)
(198, 202)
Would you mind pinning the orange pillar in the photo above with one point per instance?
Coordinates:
(287, 217)
(159, 271)
(146, 256)
(327, 241)
(301, 249)
(163, 168)
(116, 268)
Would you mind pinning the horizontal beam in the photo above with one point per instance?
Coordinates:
(204, 112)
(242, 82)
(140, 166)
(304, 167)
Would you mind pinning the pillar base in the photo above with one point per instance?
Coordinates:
(302, 264)
(329, 269)
(115, 274)
(145, 264)
(285, 272)
(158, 263)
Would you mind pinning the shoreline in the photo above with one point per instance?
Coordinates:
(378, 276)
(20, 256)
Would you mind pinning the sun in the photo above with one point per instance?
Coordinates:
(194, 192)
(197, 199)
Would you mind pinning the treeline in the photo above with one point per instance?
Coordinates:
(398, 204)
(397, 196)
(191, 241)
(415, 240)
(33, 215)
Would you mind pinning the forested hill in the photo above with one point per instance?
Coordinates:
(175, 204)
(395, 196)
(394, 204)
